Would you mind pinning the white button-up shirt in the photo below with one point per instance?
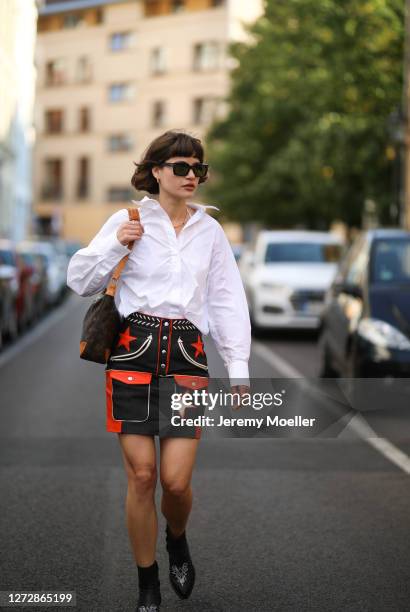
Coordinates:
(193, 275)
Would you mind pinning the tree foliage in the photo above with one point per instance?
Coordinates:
(306, 134)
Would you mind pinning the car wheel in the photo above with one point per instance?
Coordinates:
(12, 329)
(326, 368)
(255, 328)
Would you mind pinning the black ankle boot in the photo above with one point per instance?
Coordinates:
(149, 589)
(181, 568)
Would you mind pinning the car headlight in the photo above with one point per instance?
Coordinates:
(383, 334)
(276, 286)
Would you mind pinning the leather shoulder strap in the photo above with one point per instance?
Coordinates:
(133, 215)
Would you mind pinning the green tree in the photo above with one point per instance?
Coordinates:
(306, 135)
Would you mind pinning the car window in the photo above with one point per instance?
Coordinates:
(391, 260)
(6, 258)
(287, 252)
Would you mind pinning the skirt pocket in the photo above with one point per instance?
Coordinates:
(128, 395)
(186, 384)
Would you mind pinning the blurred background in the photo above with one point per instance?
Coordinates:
(303, 107)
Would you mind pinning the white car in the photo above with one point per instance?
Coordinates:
(286, 277)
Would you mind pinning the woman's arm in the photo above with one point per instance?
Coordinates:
(228, 312)
(90, 268)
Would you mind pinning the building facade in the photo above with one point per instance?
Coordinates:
(112, 76)
(18, 20)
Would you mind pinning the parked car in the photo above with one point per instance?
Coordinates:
(38, 278)
(55, 264)
(9, 289)
(237, 249)
(286, 276)
(365, 329)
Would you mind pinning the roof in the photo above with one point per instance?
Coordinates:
(388, 232)
(61, 6)
(301, 235)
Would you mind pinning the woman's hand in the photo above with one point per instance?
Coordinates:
(129, 231)
(242, 390)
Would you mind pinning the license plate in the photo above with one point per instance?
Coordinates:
(312, 308)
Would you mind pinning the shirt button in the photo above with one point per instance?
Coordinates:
(164, 351)
(166, 323)
(162, 365)
(164, 337)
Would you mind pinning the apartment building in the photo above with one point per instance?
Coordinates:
(112, 76)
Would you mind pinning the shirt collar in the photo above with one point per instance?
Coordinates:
(147, 202)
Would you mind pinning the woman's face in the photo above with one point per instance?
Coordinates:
(177, 186)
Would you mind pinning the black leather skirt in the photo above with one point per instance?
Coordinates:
(155, 362)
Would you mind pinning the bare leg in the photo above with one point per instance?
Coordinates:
(176, 466)
(142, 522)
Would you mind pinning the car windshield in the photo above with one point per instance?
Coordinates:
(6, 258)
(303, 252)
(391, 261)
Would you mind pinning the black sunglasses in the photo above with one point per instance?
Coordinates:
(182, 168)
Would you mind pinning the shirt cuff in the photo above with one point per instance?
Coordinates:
(239, 373)
(116, 248)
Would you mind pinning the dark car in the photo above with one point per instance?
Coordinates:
(365, 326)
(9, 292)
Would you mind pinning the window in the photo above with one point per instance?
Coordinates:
(121, 40)
(52, 187)
(119, 194)
(54, 121)
(312, 252)
(158, 63)
(121, 91)
(56, 72)
(391, 261)
(72, 20)
(177, 6)
(205, 110)
(83, 177)
(84, 119)
(206, 56)
(83, 70)
(120, 142)
(158, 113)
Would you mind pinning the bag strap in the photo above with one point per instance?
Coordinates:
(133, 215)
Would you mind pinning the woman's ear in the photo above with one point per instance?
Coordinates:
(155, 172)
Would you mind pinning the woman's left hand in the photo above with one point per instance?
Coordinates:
(242, 390)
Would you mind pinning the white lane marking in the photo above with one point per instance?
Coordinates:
(357, 423)
(38, 330)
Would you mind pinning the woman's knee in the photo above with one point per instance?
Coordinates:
(142, 478)
(176, 486)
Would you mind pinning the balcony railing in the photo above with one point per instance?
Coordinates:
(52, 192)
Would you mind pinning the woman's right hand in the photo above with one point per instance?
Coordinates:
(129, 231)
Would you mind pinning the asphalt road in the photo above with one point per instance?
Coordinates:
(277, 524)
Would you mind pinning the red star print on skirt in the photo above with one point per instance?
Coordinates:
(199, 347)
(125, 339)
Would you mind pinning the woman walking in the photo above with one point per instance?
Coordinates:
(181, 281)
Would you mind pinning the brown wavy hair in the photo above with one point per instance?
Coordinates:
(170, 144)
